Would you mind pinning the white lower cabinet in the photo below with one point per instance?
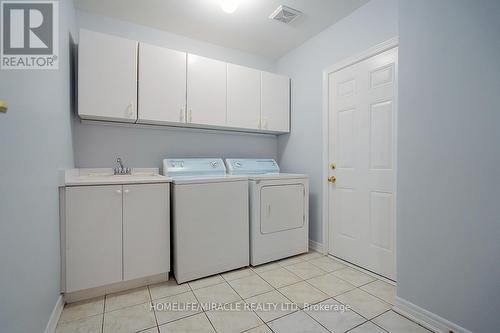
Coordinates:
(115, 233)
(93, 236)
(145, 230)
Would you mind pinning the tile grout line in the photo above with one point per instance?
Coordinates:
(154, 308)
(103, 312)
(334, 297)
(380, 298)
(324, 272)
(202, 309)
(191, 290)
(273, 288)
(178, 319)
(289, 300)
(230, 286)
(307, 314)
(401, 316)
(242, 299)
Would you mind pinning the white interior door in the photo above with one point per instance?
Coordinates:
(206, 91)
(362, 144)
(162, 85)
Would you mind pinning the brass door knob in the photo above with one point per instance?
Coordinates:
(332, 179)
(3, 106)
(333, 166)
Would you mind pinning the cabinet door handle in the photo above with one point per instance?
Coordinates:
(190, 115)
(130, 109)
(265, 123)
(118, 191)
(126, 191)
(181, 115)
(268, 210)
(259, 123)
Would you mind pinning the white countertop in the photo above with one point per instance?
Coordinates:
(105, 176)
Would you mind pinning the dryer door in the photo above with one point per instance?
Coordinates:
(281, 207)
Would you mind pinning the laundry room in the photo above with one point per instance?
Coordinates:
(259, 166)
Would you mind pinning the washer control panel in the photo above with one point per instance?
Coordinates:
(174, 167)
(240, 166)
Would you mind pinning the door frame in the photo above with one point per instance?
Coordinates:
(372, 51)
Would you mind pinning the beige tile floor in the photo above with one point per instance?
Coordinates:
(310, 278)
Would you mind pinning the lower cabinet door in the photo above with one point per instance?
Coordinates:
(146, 230)
(93, 236)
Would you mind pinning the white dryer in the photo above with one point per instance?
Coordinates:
(209, 218)
(279, 209)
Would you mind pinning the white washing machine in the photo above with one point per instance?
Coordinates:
(210, 218)
(279, 209)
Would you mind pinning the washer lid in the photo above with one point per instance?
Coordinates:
(249, 166)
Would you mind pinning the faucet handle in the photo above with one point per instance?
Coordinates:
(120, 169)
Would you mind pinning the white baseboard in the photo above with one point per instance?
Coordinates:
(426, 318)
(114, 288)
(315, 246)
(54, 316)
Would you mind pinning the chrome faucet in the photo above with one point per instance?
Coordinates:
(120, 169)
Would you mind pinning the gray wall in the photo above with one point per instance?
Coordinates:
(35, 142)
(98, 145)
(448, 233)
(301, 150)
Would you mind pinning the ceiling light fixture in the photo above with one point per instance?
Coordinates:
(229, 6)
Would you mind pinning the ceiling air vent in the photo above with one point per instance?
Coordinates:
(285, 14)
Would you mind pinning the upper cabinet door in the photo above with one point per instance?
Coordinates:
(206, 91)
(162, 85)
(275, 102)
(107, 77)
(243, 97)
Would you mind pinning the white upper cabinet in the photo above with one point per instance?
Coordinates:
(275, 102)
(162, 85)
(206, 91)
(107, 77)
(175, 88)
(243, 97)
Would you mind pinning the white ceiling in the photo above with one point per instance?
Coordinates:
(247, 29)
